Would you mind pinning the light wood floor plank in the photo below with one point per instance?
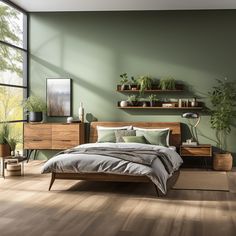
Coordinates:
(27, 208)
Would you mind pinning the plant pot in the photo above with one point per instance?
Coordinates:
(222, 161)
(123, 103)
(35, 116)
(5, 150)
(153, 103)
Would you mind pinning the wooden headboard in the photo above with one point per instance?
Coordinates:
(175, 138)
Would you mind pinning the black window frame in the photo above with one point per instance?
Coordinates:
(25, 50)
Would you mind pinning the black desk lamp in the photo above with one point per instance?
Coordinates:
(193, 126)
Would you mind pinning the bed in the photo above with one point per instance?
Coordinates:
(107, 161)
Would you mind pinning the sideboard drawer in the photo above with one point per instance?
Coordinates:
(64, 144)
(37, 131)
(37, 144)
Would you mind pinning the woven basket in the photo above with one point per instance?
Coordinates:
(222, 161)
(14, 169)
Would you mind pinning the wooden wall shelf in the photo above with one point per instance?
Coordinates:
(162, 108)
(150, 91)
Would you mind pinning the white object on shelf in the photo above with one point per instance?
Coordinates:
(81, 112)
(189, 143)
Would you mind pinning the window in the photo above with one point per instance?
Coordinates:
(13, 67)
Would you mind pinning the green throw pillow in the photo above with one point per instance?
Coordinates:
(134, 139)
(106, 136)
(121, 133)
(154, 137)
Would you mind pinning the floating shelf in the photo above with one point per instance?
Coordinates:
(150, 91)
(162, 108)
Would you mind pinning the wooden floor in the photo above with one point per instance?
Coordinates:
(119, 209)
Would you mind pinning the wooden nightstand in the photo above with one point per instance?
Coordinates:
(199, 151)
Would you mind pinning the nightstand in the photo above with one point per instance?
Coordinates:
(200, 151)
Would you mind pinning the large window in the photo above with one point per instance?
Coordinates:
(13, 67)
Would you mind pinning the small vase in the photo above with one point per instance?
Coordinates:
(81, 112)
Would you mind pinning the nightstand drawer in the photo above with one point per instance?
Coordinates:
(200, 151)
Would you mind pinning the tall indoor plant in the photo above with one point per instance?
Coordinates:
(223, 101)
(35, 108)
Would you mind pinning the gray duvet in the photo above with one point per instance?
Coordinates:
(156, 162)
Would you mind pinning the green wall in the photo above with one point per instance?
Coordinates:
(93, 48)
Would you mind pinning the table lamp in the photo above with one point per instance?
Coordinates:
(195, 117)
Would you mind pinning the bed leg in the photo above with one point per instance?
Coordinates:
(157, 191)
(52, 181)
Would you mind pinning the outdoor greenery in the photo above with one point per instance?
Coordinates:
(4, 133)
(223, 101)
(11, 72)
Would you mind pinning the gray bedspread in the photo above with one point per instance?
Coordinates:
(156, 162)
(140, 156)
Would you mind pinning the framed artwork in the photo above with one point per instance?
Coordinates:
(59, 97)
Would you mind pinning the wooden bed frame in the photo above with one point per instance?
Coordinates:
(175, 140)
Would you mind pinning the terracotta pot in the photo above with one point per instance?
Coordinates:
(222, 161)
(5, 150)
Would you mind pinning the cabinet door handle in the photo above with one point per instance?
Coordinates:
(64, 140)
(38, 140)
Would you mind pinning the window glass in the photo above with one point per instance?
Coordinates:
(11, 65)
(11, 30)
(11, 103)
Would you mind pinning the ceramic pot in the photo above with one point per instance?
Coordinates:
(35, 116)
(123, 103)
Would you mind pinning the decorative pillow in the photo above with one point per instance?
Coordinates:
(167, 142)
(121, 133)
(107, 134)
(154, 137)
(134, 139)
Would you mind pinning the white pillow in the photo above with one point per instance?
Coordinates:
(114, 128)
(163, 129)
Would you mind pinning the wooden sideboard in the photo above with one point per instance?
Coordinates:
(53, 136)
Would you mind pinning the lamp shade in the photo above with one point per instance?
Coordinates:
(190, 115)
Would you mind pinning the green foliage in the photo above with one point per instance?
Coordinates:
(133, 100)
(12, 141)
(11, 60)
(34, 104)
(133, 81)
(167, 83)
(124, 78)
(223, 100)
(145, 82)
(4, 133)
(152, 98)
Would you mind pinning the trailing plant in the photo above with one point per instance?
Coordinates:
(34, 104)
(223, 100)
(167, 83)
(145, 82)
(4, 133)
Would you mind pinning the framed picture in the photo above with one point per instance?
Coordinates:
(59, 97)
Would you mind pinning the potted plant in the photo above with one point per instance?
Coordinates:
(152, 100)
(134, 83)
(167, 83)
(223, 100)
(35, 108)
(4, 146)
(124, 81)
(12, 141)
(145, 82)
(132, 100)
